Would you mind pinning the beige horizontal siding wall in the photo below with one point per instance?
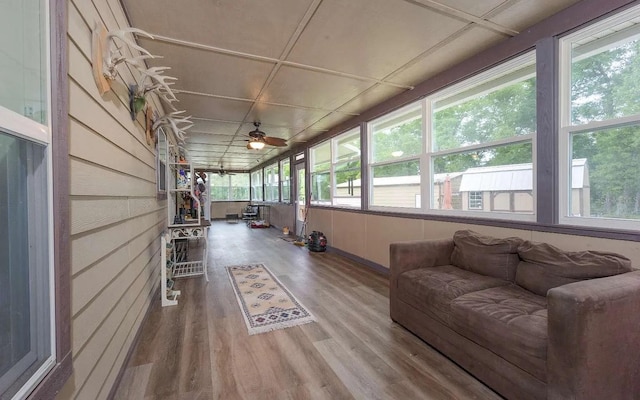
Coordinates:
(116, 219)
(368, 236)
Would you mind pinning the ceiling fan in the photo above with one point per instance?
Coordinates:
(222, 172)
(259, 139)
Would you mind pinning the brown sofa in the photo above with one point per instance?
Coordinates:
(529, 320)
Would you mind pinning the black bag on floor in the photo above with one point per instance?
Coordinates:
(317, 242)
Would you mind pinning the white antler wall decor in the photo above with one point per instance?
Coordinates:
(107, 55)
(108, 52)
(173, 120)
(151, 79)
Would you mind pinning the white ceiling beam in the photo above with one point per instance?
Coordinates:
(271, 103)
(459, 14)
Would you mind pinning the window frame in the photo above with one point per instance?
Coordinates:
(333, 165)
(257, 190)
(161, 178)
(285, 180)
(397, 160)
(230, 186)
(482, 79)
(566, 128)
(268, 172)
(476, 198)
(312, 173)
(506, 73)
(56, 138)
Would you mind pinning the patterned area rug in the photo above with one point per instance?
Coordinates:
(265, 303)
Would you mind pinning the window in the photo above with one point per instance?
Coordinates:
(161, 157)
(335, 171)
(229, 187)
(256, 185)
(27, 337)
(239, 186)
(475, 200)
(346, 169)
(320, 157)
(481, 150)
(285, 180)
(467, 148)
(271, 183)
(396, 143)
(220, 185)
(600, 124)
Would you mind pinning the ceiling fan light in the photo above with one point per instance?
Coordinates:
(257, 145)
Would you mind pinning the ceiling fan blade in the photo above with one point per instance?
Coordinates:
(274, 141)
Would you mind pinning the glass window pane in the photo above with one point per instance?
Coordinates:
(321, 157)
(347, 184)
(396, 185)
(398, 134)
(500, 107)
(219, 187)
(23, 71)
(604, 76)
(347, 147)
(321, 188)
(256, 186)
(285, 180)
(604, 174)
(240, 187)
(161, 156)
(271, 183)
(24, 269)
(498, 179)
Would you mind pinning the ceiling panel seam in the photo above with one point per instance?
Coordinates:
(461, 15)
(301, 107)
(275, 61)
(311, 10)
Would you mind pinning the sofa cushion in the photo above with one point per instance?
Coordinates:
(544, 266)
(507, 320)
(432, 289)
(486, 255)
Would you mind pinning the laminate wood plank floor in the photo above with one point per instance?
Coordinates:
(200, 349)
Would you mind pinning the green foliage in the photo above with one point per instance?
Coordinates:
(604, 86)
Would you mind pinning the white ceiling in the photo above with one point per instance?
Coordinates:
(300, 67)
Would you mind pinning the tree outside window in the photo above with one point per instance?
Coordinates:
(601, 123)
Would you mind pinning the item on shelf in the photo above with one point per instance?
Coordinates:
(182, 180)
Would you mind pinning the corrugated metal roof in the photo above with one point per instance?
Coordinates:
(512, 177)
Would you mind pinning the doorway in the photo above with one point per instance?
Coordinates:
(300, 201)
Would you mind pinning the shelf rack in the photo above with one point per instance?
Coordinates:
(178, 261)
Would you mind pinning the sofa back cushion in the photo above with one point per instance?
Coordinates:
(544, 266)
(486, 255)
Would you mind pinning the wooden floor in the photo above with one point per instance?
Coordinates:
(200, 348)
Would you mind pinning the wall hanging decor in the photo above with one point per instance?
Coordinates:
(106, 55)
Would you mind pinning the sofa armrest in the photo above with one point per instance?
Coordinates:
(405, 256)
(594, 339)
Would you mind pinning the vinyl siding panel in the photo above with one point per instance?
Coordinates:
(116, 219)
